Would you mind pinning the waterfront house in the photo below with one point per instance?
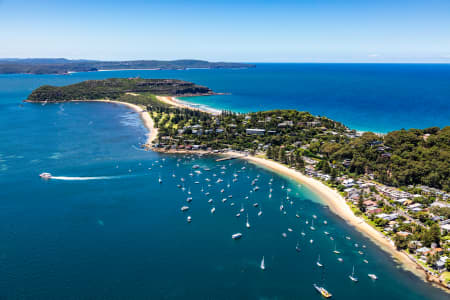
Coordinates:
(422, 250)
(348, 182)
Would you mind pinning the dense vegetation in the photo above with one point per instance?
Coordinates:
(399, 158)
(115, 88)
(63, 66)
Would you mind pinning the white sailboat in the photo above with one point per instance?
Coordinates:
(352, 277)
(263, 266)
(297, 247)
(312, 226)
(247, 224)
(336, 251)
(259, 212)
(318, 263)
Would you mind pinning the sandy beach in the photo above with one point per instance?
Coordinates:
(178, 103)
(338, 205)
(330, 196)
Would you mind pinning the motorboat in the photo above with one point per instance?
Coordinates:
(45, 175)
(322, 291)
(236, 236)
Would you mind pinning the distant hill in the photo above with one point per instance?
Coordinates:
(115, 88)
(64, 66)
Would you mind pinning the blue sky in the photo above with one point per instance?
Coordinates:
(254, 31)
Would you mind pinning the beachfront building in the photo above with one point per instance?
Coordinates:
(256, 131)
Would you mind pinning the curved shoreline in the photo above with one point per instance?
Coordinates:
(336, 203)
(329, 196)
(148, 122)
(182, 104)
(338, 206)
(143, 114)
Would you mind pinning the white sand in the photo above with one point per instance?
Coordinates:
(338, 205)
(178, 103)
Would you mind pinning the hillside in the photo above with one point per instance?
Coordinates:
(399, 158)
(64, 66)
(114, 88)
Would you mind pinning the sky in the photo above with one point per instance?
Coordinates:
(233, 30)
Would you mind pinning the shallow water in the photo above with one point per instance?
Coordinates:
(124, 236)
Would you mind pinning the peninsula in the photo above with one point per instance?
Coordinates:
(66, 66)
(394, 188)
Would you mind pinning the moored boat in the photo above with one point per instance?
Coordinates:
(318, 263)
(322, 291)
(236, 236)
(352, 277)
(263, 266)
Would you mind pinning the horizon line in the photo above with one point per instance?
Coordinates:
(318, 61)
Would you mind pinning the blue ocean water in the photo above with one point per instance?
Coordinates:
(106, 228)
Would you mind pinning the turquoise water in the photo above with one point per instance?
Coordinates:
(108, 229)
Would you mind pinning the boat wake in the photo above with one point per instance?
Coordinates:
(84, 178)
